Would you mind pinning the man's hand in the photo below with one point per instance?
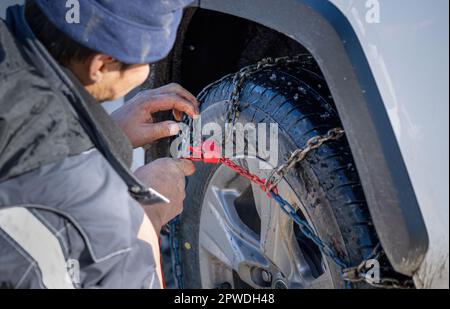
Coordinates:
(167, 176)
(135, 117)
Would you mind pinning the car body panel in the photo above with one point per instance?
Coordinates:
(407, 49)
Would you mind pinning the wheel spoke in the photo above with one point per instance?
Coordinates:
(324, 281)
(223, 236)
(277, 239)
(274, 224)
(259, 195)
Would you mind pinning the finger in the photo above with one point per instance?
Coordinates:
(178, 115)
(186, 166)
(178, 89)
(166, 102)
(187, 95)
(156, 131)
(175, 88)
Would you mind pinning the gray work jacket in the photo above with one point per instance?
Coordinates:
(67, 219)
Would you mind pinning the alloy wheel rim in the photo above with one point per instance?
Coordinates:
(247, 241)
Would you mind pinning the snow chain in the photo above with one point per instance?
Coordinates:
(349, 274)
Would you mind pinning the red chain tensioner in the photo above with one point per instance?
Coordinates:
(209, 152)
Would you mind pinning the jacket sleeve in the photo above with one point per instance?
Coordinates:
(75, 226)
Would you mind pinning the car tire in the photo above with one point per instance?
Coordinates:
(327, 183)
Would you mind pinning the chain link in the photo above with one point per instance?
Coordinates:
(349, 274)
(358, 274)
(239, 79)
(175, 250)
(245, 173)
(300, 154)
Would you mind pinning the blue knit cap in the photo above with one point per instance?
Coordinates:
(131, 31)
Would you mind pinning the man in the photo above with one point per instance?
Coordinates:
(71, 213)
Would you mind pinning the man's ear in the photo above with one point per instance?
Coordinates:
(98, 65)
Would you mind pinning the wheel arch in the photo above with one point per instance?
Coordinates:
(326, 33)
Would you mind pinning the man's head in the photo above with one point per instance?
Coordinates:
(112, 57)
